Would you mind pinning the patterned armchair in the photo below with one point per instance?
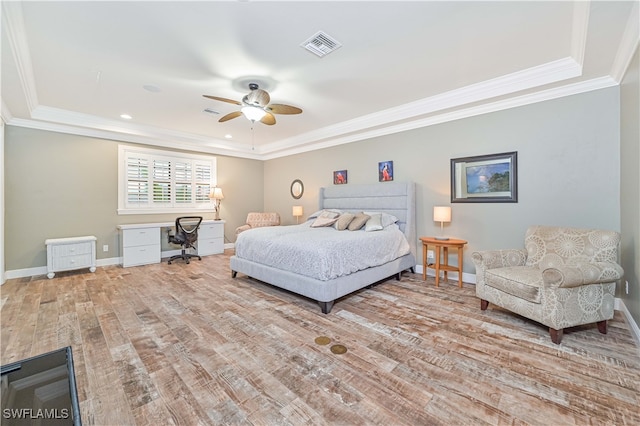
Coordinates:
(564, 277)
(257, 220)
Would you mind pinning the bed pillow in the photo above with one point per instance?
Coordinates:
(358, 221)
(374, 223)
(343, 221)
(319, 212)
(326, 218)
(386, 218)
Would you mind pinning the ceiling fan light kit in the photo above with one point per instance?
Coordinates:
(253, 113)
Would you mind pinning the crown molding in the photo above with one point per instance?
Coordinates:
(162, 138)
(579, 30)
(5, 113)
(13, 25)
(188, 143)
(523, 100)
(551, 72)
(628, 45)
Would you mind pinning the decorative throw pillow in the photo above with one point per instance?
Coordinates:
(386, 218)
(358, 221)
(319, 212)
(374, 223)
(326, 218)
(344, 220)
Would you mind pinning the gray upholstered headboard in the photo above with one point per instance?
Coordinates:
(398, 199)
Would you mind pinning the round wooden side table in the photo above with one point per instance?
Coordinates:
(442, 262)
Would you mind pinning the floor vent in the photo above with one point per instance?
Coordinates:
(321, 44)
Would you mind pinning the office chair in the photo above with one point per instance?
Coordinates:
(186, 235)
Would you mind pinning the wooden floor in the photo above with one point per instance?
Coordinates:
(187, 344)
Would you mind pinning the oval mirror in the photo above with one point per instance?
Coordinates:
(297, 188)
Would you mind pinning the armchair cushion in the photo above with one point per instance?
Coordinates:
(519, 281)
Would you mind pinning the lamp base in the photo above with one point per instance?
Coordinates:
(441, 238)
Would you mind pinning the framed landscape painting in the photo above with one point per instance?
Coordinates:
(485, 179)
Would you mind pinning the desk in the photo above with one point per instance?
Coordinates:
(141, 242)
(442, 263)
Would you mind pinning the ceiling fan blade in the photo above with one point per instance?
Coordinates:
(268, 119)
(283, 109)
(230, 116)
(216, 98)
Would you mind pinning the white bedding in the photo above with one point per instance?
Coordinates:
(321, 253)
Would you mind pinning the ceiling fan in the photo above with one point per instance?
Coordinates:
(255, 106)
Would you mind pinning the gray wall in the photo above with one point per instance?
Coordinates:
(568, 163)
(59, 185)
(630, 185)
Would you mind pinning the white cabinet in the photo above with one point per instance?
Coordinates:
(140, 246)
(65, 254)
(211, 238)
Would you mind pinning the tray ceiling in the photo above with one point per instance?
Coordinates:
(77, 66)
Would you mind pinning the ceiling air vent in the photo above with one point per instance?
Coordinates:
(321, 44)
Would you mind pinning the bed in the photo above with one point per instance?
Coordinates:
(328, 283)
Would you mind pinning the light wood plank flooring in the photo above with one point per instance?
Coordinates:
(187, 344)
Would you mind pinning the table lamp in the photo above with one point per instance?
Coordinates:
(297, 212)
(216, 195)
(442, 214)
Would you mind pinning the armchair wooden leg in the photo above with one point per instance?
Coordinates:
(602, 326)
(556, 335)
(484, 304)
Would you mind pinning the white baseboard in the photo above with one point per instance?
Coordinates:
(635, 331)
(466, 277)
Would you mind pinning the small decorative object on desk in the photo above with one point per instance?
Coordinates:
(442, 214)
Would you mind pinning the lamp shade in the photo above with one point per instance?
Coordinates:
(216, 194)
(297, 211)
(442, 214)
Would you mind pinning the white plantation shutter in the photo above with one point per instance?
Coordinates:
(202, 182)
(183, 182)
(137, 180)
(154, 181)
(161, 181)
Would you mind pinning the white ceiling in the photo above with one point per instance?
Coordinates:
(77, 66)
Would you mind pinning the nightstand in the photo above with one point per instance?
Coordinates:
(442, 262)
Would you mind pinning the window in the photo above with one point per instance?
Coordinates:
(155, 181)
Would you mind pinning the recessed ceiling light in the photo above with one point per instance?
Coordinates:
(228, 136)
(126, 116)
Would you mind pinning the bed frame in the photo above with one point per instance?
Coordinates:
(397, 199)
